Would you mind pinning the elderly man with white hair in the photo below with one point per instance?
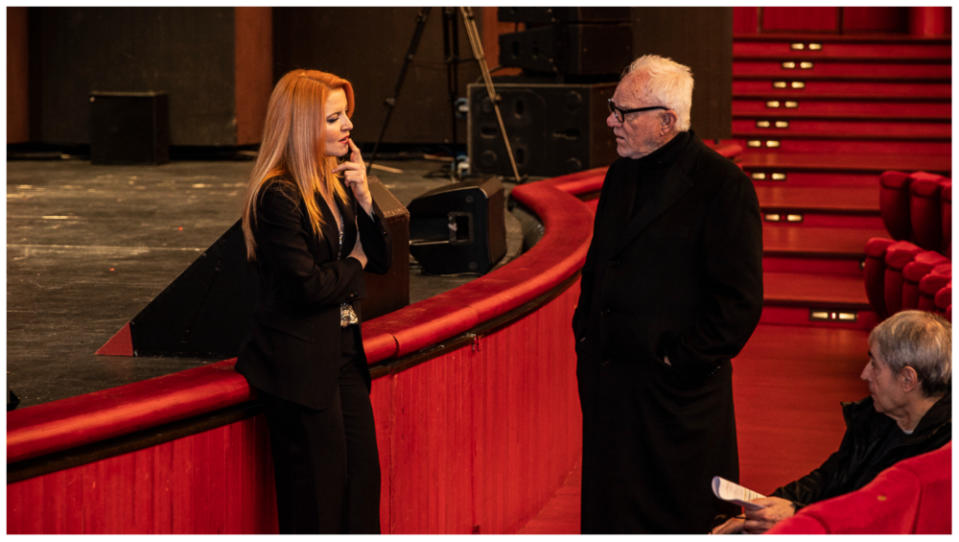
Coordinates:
(908, 412)
(670, 292)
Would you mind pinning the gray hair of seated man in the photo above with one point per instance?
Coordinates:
(918, 339)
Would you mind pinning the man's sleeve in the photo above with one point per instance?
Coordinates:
(813, 487)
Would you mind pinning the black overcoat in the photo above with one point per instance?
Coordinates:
(674, 270)
(293, 348)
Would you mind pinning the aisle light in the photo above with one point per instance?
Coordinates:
(832, 316)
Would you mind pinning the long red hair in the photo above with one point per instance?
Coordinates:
(293, 145)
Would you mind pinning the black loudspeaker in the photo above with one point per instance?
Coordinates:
(569, 49)
(459, 228)
(207, 309)
(553, 128)
(563, 14)
(129, 128)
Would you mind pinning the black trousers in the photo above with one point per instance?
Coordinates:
(325, 462)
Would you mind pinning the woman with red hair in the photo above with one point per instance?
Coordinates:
(311, 227)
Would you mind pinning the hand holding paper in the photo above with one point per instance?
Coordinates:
(735, 493)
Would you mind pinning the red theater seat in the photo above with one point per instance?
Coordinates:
(930, 285)
(874, 272)
(947, 216)
(913, 272)
(897, 256)
(913, 496)
(894, 203)
(925, 209)
(943, 300)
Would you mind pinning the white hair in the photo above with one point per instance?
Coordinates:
(668, 83)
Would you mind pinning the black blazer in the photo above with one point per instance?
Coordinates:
(293, 347)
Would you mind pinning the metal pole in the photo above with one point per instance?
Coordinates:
(476, 43)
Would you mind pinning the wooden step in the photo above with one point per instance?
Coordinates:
(814, 47)
(857, 164)
(840, 292)
(798, 88)
(827, 128)
(935, 71)
(812, 108)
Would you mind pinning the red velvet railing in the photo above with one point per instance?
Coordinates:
(476, 411)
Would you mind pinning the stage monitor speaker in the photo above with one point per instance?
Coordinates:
(569, 49)
(206, 311)
(460, 227)
(570, 14)
(553, 128)
(129, 128)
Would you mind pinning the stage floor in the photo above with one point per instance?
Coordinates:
(89, 246)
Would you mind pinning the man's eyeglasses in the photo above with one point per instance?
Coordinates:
(621, 113)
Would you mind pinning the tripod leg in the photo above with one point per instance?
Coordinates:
(390, 102)
(476, 43)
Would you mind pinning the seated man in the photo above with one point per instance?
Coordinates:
(908, 412)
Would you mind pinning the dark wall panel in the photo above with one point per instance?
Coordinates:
(367, 46)
(701, 38)
(187, 52)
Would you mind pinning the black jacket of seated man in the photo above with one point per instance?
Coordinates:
(873, 442)
(674, 270)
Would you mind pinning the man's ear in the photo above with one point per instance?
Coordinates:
(668, 121)
(909, 378)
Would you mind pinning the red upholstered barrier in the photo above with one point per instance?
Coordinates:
(898, 255)
(913, 272)
(925, 209)
(894, 203)
(913, 496)
(929, 286)
(97, 416)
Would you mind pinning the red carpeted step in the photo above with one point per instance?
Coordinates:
(785, 143)
(841, 200)
(841, 206)
(809, 242)
(842, 109)
(813, 47)
(832, 69)
(840, 292)
(798, 88)
(852, 163)
(827, 128)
